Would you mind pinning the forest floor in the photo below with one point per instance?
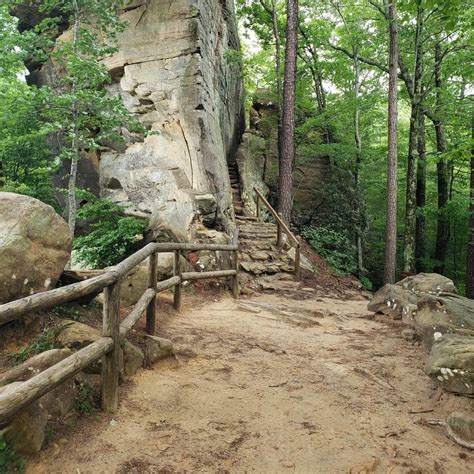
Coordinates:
(271, 383)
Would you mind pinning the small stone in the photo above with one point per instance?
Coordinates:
(157, 348)
(408, 334)
(113, 423)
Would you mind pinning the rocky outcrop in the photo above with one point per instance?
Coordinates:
(35, 245)
(400, 300)
(251, 163)
(176, 70)
(451, 363)
(311, 172)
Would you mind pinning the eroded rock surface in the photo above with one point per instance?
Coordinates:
(175, 71)
(35, 245)
(451, 363)
(400, 300)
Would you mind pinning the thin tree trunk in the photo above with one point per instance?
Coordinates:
(287, 152)
(470, 243)
(443, 168)
(75, 155)
(358, 160)
(420, 251)
(409, 246)
(410, 207)
(391, 239)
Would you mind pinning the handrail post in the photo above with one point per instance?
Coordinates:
(298, 259)
(279, 233)
(110, 361)
(179, 287)
(258, 206)
(235, 278)
(152, 283)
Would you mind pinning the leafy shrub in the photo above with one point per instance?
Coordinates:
(9, 459)
(114, 235)
(84, 402)
(334, 247)
(44, 342)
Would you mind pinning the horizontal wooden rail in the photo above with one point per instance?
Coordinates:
(14, 399)
(34, 388)
(203, 275)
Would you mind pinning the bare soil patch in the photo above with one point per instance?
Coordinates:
(271, 384)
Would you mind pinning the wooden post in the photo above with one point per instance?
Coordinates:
(258, 207)
(152, 283)
(110, 362)
(179, 287)
(279, 233)
(235, 278)
(298, 259)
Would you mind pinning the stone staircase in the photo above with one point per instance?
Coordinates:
(259, 254)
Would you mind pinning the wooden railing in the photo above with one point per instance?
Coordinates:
(281, 228)
(106, 347)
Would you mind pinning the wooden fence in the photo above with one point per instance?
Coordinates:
(106, 347)
(281, 228)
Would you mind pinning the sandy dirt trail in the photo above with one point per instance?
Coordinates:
(271, 385)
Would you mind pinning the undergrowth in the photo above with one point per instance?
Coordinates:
(44, 342)
(10, 461)
(84, 402)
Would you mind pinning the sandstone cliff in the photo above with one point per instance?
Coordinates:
(175, 71)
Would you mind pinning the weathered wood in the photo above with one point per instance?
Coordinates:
(205, 275)
(178, 289)
(125, 266)
(279, 220)
(13, 401)
(279, 242)
(152, 282)
(193, 247)
(137, 312)
(41, 301)
(235, 278)
(110, 361)
(258, 207)
(298, 260)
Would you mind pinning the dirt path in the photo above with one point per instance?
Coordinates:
(271, 385)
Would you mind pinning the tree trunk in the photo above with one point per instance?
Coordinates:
(409, 250)
(287, 152)
(75, 154)
(443, 169)
(391, 239)
(420, 250)
(410, 208)
(358, 160)
(470, 244)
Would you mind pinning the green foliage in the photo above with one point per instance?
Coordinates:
(84, 402)
(44, 342)
(10, 461)
(334, 247)
(114, 235)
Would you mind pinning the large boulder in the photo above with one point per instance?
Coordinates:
(35, 245)
(27, 430)
(451, 363)
(437, 315)
(460, 428)
(394, 301)
(400, 300)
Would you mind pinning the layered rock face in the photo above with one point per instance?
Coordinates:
(257, 161)
(176, 70)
